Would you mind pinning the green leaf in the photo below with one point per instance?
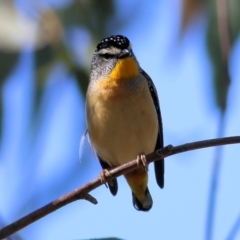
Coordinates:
(234, 19)
(221, 80)
(8, 61)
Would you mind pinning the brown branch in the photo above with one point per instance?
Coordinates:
(83, 192)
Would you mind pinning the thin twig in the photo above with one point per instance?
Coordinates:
(83, 191)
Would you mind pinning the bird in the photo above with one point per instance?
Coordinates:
(123, 115)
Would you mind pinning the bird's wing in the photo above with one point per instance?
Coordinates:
(113, 185)
(158, 165)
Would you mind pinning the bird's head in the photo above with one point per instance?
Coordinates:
(114, 57)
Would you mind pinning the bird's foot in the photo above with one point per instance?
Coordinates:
(105, 173)
(141, 159)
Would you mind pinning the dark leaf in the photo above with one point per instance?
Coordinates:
(234, 19)
(8, 61)
(217, 51)
(82, 77)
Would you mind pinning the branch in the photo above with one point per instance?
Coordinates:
(83, 191)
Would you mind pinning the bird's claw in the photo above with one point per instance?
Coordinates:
(105, 173)
(141, 159)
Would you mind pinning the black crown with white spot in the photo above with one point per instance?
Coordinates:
(117, 41)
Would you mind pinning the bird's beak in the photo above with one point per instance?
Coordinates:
(125, 53)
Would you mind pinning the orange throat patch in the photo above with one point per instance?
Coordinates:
(125, 70)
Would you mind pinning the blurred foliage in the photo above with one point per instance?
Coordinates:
(215, 41)
(50, 47)
(222, 32)
(50, 42)
(221, 79)
(47, 33)
(190, 10)
(51, 33)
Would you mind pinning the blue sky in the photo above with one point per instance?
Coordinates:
(182, 74)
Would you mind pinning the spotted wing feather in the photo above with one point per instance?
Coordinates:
(158, 165)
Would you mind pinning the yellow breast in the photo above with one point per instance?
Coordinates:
(124, 126)
(122, 122)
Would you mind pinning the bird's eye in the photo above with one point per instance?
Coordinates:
(106, 56)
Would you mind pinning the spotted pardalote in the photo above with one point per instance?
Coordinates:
(123, 115)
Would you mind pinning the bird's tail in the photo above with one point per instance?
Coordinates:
(145, 204)
(137, 180)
